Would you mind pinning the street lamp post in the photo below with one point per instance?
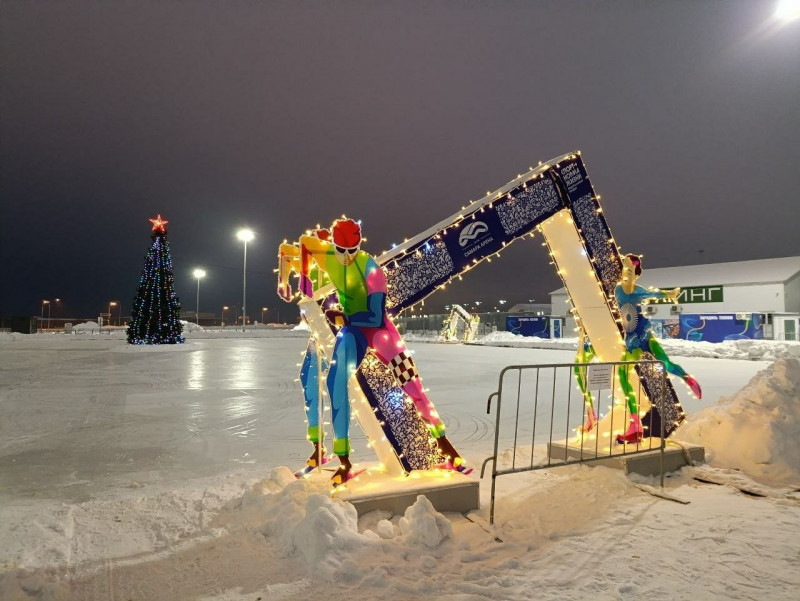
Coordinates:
(263, 310)
(224, 308)
(41, 316)
(199, 274)
(245, 235)
(111, 304)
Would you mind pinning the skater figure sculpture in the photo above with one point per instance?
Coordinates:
(639, 339)
(360, 286)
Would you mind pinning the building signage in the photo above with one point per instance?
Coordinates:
(695, 294)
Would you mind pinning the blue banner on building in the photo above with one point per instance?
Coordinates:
(718, 327)
(528, 326)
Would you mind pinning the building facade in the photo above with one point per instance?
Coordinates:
(720, 301)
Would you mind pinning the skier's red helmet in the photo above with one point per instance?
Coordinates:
(346, 234)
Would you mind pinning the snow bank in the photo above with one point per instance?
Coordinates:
(300, 518)
(423, 525)
(753, 350)
(757, 430)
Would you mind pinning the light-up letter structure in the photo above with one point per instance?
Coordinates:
(556, 199)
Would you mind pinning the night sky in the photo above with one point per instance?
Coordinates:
(280, 115)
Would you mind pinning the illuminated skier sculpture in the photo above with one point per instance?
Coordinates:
(639, 339)
(362, 323)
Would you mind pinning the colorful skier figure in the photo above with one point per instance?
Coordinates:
(361, 288)
(585, 354)
(639, 339)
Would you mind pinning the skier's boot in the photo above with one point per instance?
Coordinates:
(591, 421)
(313, 461)
(343, 473)
(634, 432)
(694, 385)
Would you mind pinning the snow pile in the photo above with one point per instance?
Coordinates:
(89, 326)
(190, 326)
(423, 525)
(756, 430)
(302, 327)
(753, 350)
(422, 336)
(298, 518)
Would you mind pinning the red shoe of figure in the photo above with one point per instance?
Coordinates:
(694, 385)
(591, 421)
(634, 432)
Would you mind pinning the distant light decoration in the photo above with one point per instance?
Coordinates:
(155, 317)
(159, 224)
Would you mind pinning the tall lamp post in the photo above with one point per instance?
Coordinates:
(111, 304)
(263, 310)
(199, 274)
(224, 308)
(245, 235)
(41, 318)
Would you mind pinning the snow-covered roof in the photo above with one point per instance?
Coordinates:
(759, 271)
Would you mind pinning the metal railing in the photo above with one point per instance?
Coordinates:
(547, 403)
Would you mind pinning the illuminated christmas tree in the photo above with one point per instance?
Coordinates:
(156, 308)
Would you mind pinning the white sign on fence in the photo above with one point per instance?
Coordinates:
(599, 377)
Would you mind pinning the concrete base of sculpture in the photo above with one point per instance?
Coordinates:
(646, 459)
(376, 490)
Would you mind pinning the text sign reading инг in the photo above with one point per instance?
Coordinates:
(694, 294)
(599, 377)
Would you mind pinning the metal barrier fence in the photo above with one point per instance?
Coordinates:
(549, 403)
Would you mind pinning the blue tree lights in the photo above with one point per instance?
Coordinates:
(156, 308)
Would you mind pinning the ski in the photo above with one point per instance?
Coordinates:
(302, 473)
(350, 477)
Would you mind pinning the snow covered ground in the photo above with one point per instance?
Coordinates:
(160, 473)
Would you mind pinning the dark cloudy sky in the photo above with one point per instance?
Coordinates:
(279, 115)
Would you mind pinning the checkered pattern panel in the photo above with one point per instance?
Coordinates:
(404, 368)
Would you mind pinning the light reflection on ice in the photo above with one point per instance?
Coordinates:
(243, 359)
(197, 371)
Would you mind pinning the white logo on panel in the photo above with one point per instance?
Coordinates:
(471, 232)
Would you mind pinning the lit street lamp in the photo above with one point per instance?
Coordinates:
(245, 235)
(41, 317)
(224, 308)
(199, 274)
(111, 304)
(263, 310)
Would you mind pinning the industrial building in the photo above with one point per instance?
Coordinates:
(719, 301)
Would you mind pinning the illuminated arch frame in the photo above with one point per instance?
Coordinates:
(555, 198)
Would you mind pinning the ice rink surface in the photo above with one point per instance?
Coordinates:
(83, 416)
